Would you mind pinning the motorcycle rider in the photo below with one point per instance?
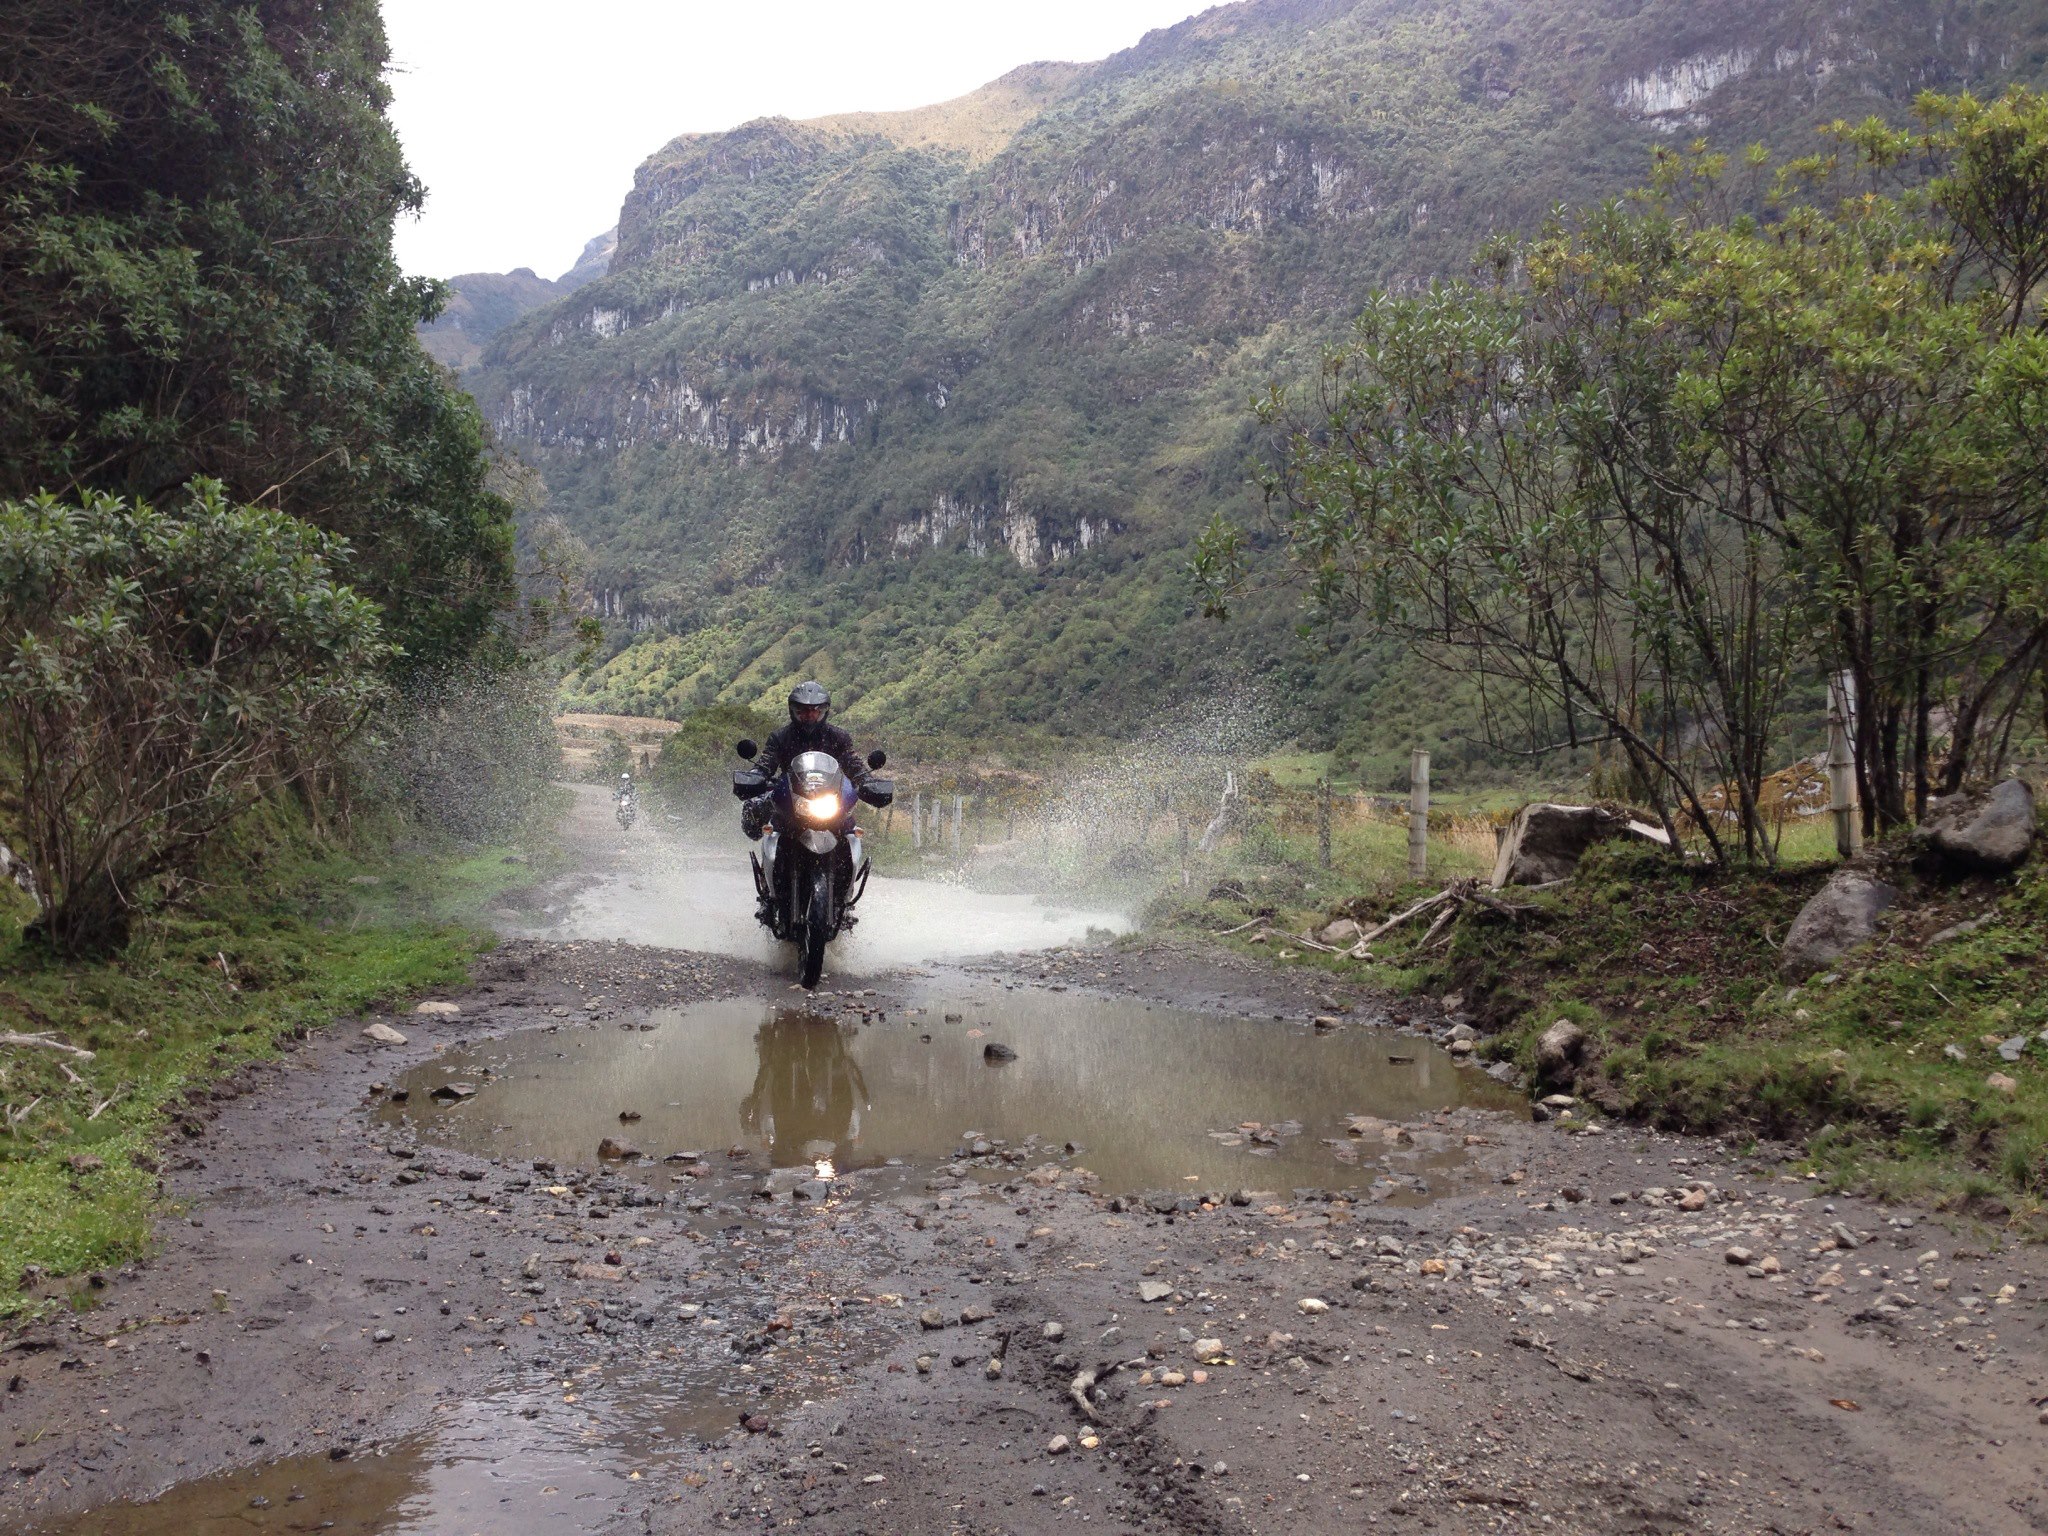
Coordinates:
(809, 730)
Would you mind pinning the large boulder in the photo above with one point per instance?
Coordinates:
(1544, 842)
(1841, 916)
(1981, 832)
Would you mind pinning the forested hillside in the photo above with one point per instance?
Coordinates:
(932, 404)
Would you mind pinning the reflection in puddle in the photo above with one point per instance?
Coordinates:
(517, 1465)
(1153, 1097)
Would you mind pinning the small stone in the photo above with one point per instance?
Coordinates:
(931, 1320)
(1739, 1255)
(1209, 1351)
(1389, 1248)
(1058, 1445)
(1173, 1378)
(451, 1093)
(1313, 1306)
(2013, 1049)
(1998, 1082)
(994, 1368)
(1153, 1290)
(382, 1336)
(439, 1010)
(383, 1034)
(612, 1150)
(1693, 1200)
(1053, 1331)
(924, 1365)
(996, 1051)
(1769, 1265)
(1954, 1052)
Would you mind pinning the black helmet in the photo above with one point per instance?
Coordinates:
(808, 697)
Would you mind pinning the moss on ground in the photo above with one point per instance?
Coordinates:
(287, 941)
(1883, 1068)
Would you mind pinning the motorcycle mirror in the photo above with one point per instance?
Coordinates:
(746, 748)
(878, 758)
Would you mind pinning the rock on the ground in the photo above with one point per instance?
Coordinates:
(1842, 916)
(1342, 931)
(439, 1010)
(1544, 842)
(1981, 832)
(613, 1150)
(383, 1034)
(1559, 1051)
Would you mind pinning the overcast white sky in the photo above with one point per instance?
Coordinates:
(525, 118)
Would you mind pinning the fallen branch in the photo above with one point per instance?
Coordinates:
(101, 1107)
(8, 1037)
(1240, 928)
(1443, 921)
(1426, 904)
(1084, 1383)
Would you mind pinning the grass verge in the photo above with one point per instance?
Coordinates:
(289, 939)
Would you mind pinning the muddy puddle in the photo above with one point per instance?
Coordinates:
(1146, 1097)
(832, 1100)
(520, 1464)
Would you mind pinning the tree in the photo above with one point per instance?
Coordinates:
(159, 671)
(1673, 454)
(196, 228)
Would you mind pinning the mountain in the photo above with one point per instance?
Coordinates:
(930, 403)
(481, 304)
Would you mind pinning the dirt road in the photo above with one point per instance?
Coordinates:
(804, 1304)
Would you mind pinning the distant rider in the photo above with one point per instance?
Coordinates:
(624, 793)
(808, 731)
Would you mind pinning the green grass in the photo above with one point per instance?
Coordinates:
(1673, 973)
(286, 944)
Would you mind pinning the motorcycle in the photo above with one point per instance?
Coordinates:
(812, 868)
(626, 813)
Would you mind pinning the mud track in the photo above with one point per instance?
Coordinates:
(1561, 1343)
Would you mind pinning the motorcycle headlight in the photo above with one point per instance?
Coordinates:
(823, 807)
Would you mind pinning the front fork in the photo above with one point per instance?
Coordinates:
(773, 911)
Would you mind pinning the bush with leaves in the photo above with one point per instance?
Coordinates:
(196, 231)
(159, 672)
(1679, 454)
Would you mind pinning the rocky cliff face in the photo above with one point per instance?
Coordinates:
(1022, 327)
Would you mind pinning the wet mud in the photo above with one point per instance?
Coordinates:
(836, 1277)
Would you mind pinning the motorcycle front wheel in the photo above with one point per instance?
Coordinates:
(817, 928)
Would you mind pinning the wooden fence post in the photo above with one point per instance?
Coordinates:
(1323, 822)
(1842, 763)
(1418, 813)
(917, 820)
(956, 824)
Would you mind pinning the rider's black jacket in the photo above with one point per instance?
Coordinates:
(791, 741)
